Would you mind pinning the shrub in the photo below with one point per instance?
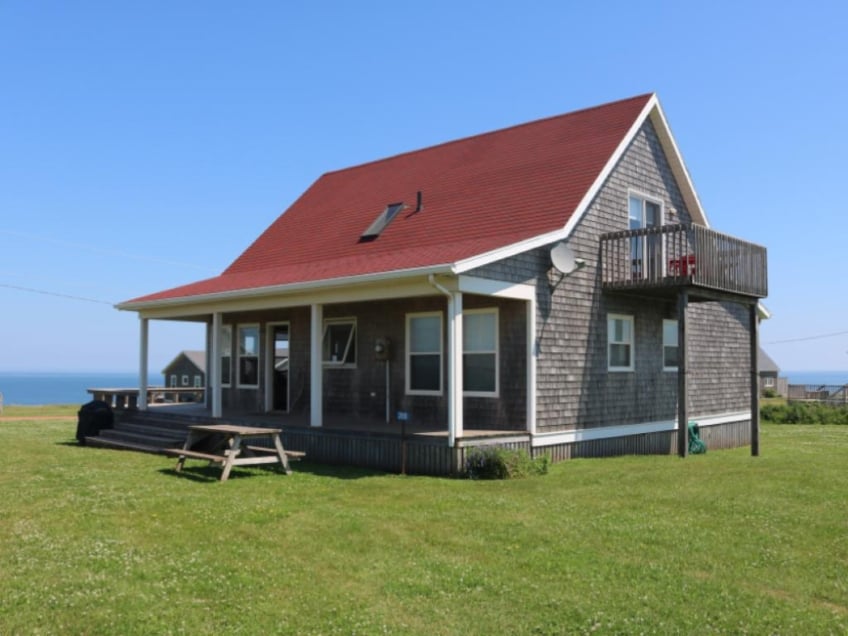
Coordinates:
(493, 462)
(770, 393)
(804, 413)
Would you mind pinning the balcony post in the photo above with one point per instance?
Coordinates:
(682, 389)
(755, 381)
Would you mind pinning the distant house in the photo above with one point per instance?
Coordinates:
(187, 370)
(770, 380)
(554, 286)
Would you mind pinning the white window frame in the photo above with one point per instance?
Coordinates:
(239, 355)
(198, 381)
(666, 345)
(496, 352)
(631, 343)
(352, 340)
(769, 382)
(410, 353)
(172, 383)
(226, 354)
(184, 380)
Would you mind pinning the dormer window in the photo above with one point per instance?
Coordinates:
(381, 222)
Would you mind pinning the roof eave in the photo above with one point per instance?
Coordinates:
(282, 290)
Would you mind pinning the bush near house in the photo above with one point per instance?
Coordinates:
(492, 462)
(804, 413)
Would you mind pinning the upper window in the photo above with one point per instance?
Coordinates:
(173, 382)
(184, 380)
(424, 353)
(645, 251)
(480, 352)
(339, 344)
(670, 349)
(198, 381)
(248, 356)
(620, 342)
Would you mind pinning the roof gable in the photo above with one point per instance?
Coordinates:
(479, 195)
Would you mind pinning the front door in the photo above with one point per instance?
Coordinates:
(279, 389)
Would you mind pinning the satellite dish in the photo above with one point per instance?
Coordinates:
(562, 258)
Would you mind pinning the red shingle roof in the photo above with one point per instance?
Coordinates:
(480, 194)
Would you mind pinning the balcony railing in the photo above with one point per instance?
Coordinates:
(683, 255)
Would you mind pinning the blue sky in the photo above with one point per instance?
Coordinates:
(146, 144)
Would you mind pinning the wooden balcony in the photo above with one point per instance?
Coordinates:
(663, 260)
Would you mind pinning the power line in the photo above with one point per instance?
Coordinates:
(98, 250)
(804, 339)
(57, 294)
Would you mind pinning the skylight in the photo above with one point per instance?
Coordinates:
(381, 222)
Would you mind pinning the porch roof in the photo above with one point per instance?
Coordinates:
(482, 198)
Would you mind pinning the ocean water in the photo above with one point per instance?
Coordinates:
(816, 377)
(63, 388)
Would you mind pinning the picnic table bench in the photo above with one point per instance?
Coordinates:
(224, 445)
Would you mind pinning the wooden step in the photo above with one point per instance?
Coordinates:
(103, 442)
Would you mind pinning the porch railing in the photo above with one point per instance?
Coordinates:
(674, 255)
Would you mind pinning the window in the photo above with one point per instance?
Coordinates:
(769, 382)
(339, 343)
(248, 356)
(184, 380)
(226, 355)
(670, 350)
(173, 382)
(620, 342)
(645, 251)
(480, 352)
(424, 354)
(198, 381)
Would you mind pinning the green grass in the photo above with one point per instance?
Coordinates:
(107, 542)
(47, 410)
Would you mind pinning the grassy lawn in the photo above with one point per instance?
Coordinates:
(107, 542)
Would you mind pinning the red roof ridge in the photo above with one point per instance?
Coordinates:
(495, 131)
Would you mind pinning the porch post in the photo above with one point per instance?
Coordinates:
(755, 381)
(144, 330)
(682, 395)
(532, 355)
(454, 393)
(316, 390)
(213, 380)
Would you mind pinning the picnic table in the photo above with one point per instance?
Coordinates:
(224, 444)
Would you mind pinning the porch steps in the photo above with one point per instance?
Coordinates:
(143, 434)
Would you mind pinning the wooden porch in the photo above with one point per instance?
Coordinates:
(410, 447)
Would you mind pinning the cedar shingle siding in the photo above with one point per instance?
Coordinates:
(575, 389)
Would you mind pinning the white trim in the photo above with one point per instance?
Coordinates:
(239, 356)
(496, 352)
(339, 287)
(507, 251)
(316, 369)
(625, 430)
(532, 356)
(213, 379)
(497, 288)
(409, 353)
(143, 369)
(632, 366)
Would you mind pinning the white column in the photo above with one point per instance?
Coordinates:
(532, 356)
(144, 330)
(316, 388)
(213, 378)
(454, 393)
